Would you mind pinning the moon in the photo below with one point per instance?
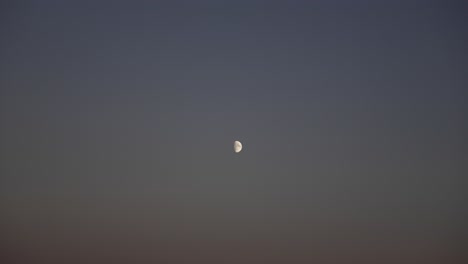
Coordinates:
(237, 146)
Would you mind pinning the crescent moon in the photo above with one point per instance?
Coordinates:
(237, 146)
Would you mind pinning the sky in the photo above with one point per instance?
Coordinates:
(117, 123)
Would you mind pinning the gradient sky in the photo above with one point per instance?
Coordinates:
(117, 123)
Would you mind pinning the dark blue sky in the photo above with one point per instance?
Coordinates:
(117, 122)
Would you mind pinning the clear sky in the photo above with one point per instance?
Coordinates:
(117, 122)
